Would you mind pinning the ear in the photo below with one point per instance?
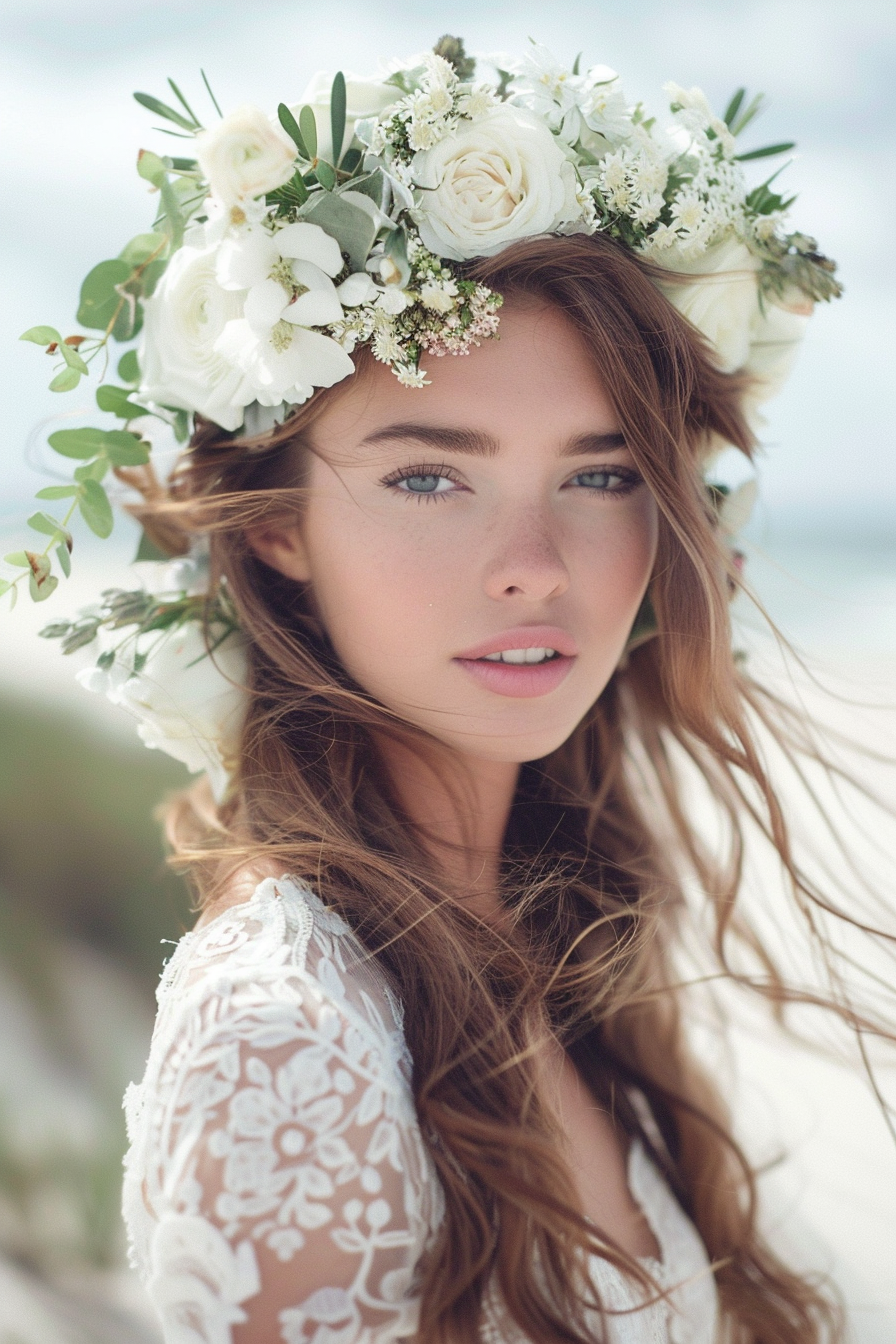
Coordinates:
(282, 547)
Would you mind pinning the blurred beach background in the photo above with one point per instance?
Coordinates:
(86, 906)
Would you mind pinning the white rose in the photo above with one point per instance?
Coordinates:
(245, 155)
(774, 343)
(363, 98)
(189, 704)
(492, 182)
(724, 302)
(184, 318)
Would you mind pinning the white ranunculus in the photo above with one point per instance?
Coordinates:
(724, 302)
(492, 182)
(189, 704)
(245, 155)
(363, 98)
(180, 365)
(775, 340)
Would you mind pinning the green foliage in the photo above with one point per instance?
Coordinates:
(326, 175)
(337, 114)
(452, 50)
(65, 380)
(115, 400)
(168, 113)
(129, 368)
(57, 492)
(352, 225)
(308, 127)
(77, 442)
(95, 508)
(766, 152)
(292, 129)
(101, 306)
(72, 358)
(41, 336)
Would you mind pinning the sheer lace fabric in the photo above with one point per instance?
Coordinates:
(277, 1181)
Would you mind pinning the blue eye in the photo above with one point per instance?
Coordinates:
(606, 480)
(421, 485)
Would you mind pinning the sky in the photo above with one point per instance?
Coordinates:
(70, 132)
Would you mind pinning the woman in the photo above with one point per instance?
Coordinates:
(422, 1069)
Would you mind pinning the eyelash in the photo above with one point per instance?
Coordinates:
(630, 479)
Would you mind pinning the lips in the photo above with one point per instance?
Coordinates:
(521, 680)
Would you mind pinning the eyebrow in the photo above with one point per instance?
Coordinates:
(476, 443)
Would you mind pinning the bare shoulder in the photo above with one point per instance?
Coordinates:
(238, 888)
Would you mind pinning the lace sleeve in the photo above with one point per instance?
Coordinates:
(285, 1186)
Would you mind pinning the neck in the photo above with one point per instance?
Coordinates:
(461, 806)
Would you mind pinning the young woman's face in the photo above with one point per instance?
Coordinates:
(478, 549)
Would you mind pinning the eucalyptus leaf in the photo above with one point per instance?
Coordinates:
(65, 560)
(353, 226)
(99, 299)
(57, 492)
(148, 550)
(41, 335)
(163, 110)
(65, 380)
(351, 159)
(96, 509)
(125, 450)
(115, 400)
(85, 442)
(72, 358)
(92, 471)
(142, 247)
(129, 368)
(4, 587)
(151, 276)
(150, 166)
(40, 591)
(291, 127)
(17, 558)
(50, 527)
(337, 114)
(308, 127)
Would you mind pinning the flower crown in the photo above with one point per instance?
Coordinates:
(285, 243)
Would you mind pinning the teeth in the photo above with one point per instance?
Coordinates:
(521, 656)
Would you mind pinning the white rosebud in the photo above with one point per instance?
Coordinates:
(491, 182)
(245, 155)
(364, 98)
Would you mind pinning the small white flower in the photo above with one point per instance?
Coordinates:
(438, 296)
(245, 156)
(477, 102)
(408, 376)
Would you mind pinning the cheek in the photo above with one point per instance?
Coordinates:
(614, 563)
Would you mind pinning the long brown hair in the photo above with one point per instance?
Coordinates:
(594, 899)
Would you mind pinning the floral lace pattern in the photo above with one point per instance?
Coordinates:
(277, 1179)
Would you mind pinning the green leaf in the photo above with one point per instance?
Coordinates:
(352, 225)
(308, 127)
(183, 102)
(326, 175)
(150, 166)
(742, 120)
(65, 560)
(140, 248)
(767, 151)
(115, 400)
(163, 110)
(124, 449)
(93, 471)
(74, 361)
(210, 94)
(96, 509)
(577, 63)
(57, 492)
(181, 425)
(293, 192)
(129, 368)
(65, 380)
(13, 596)
(40, 591)
(184, 165)
(99, 299)
(351, 159)
(291, 127)
(41, 335)
(4, 587)
(17, 558)
(337, 114)
(43, 522)
(77, 442)
(148, 550)
(151, 276)
(734, 107)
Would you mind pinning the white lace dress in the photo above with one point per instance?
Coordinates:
(277, 1177)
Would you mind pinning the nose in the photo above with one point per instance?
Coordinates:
(523, 558)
